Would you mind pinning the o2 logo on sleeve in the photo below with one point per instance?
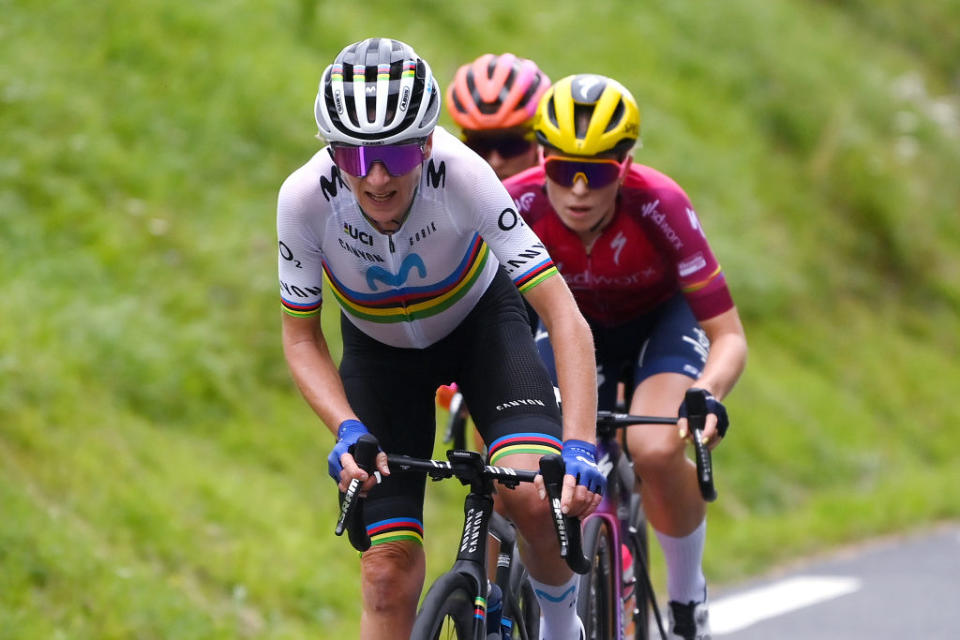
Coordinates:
(509, 219)
(287, 255)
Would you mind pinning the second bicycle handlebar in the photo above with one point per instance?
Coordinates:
(696, 401)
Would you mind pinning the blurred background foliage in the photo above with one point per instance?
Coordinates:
(160, 476)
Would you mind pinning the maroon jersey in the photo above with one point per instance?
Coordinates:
(652, 248)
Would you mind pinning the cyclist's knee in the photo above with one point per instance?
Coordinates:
(658, 453)
(393, 575)
(529, 513)
(518, 502)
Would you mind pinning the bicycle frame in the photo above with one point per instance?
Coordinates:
(615, 508)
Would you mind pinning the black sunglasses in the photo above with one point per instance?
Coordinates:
(506, 145)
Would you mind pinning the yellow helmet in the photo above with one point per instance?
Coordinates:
(587, 114)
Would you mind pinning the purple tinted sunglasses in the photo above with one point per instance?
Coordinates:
(596, 172)
(398, 159)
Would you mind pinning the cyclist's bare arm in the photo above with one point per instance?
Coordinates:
(573, 347)
(725, 362)
(576, 374)
(316, 375)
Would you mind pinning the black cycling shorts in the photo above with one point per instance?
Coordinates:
(491, 356)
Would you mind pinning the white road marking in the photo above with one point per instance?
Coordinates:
(742, 610)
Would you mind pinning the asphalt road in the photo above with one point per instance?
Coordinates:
(897, 588)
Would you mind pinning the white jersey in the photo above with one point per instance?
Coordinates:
(414, 286)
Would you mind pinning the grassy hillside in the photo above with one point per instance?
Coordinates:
(160, 476)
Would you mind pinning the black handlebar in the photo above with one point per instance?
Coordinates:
(696, 401)
(468, 467)
(365, 454)
(552, 469)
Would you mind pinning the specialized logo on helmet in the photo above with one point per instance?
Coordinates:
(338, 101)
(588, 87)
(404, 99)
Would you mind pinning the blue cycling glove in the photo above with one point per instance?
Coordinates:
(714, 406)
(347, 435)
(580, 458)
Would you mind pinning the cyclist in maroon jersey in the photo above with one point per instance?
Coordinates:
(631, 248)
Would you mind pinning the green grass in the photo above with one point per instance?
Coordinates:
(160, 476)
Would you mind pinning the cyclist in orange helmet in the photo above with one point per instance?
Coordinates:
(493, 100)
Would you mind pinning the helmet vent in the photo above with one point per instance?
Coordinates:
(531, 90)
(582, 115)
(508, 84)
(456, 103)
(616, 117)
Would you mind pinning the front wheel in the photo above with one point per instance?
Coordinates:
(448, 610)
(598, 602)
(524, 609)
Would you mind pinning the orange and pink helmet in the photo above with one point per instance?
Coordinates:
(496, 92)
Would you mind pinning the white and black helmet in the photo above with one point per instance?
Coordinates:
(377, 91)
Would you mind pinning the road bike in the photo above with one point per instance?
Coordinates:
(455, 606)
(616, 595)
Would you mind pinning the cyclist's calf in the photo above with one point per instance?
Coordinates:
(668, 480)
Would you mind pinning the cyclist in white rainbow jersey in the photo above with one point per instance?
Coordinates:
(425, 252)
(408, 283)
